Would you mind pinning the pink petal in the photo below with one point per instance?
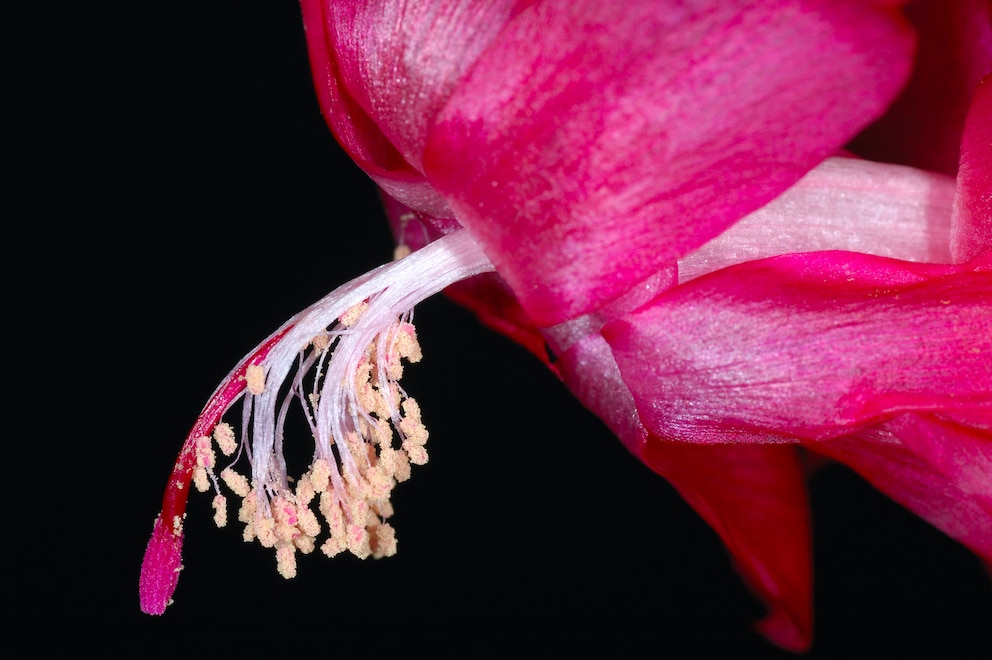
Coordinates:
(595, 141)
(352, 126)
(808, 346)
(382, 70)
(929, 481)
(400, 61)
(842, 204)
(972, 223)
(959, 450)
(592, 375)
(754, 497)
(923, 128)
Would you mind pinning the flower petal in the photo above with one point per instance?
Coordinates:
(932, 481)
(382, 70)
(958, 448)
(754, 497)
(923, 127)
(354, 129)
(595, 141)
(971, 230)
(842, 204)
(808, 346)
(400, 61)
(592, 375)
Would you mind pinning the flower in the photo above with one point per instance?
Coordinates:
(647, 200)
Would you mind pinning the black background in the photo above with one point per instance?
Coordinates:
(172, 196)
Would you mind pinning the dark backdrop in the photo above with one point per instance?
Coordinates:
(172, 196)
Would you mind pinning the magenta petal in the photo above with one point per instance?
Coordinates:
(972, 223)
(400, 61)
(354, 129)
(595, 141)
(930, 480)
(808, 346)
(959, 449)
(381, 72)
(754, 497)
(923, 127)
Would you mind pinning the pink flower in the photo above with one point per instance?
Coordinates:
(652, 198)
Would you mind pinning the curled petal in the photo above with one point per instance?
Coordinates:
(754, 497)
(843, 204)
(594, 141)
(972, 223)
(808, 347)
(382, 70)
(400, 60)
(354, 129)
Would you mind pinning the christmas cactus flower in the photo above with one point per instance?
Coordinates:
(671, 204)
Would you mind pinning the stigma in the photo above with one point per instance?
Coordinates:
(336, 367)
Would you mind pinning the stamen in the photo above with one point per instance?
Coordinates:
(255, 379)
(339, 363)
(220, 511)
(224, 435)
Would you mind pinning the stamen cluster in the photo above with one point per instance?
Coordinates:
(339, 362)
(352, 475)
